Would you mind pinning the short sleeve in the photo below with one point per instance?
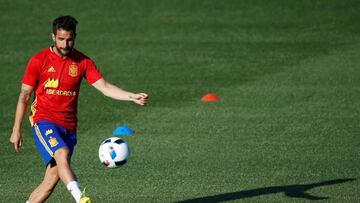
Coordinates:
(92, 73)
(32, 72)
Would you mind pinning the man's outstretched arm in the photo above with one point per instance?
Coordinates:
(117, 93)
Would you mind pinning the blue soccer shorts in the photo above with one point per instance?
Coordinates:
(49, 137)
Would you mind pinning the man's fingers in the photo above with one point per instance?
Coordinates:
(141, 99)
(16, 146)
(144, 95)
(140, 102)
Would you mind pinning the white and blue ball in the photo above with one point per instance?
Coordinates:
(113, 152)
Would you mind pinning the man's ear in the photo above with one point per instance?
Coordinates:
(53, 37)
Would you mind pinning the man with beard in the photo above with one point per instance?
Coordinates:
(55, 75)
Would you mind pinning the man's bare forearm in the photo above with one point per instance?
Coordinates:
(23, 102)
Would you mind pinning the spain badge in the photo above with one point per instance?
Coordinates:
(53, 142)
(73, 70)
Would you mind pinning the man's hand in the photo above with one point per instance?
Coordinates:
(140, 98)
(16, 139)
(117, 93)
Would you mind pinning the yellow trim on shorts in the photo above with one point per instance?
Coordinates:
(33, 111)
(43, 142)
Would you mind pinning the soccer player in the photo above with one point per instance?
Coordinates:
(54, 76)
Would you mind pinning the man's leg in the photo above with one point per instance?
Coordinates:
(62, 159)
(66, 174)
(44, 190)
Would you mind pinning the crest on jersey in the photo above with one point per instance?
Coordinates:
(73, 70)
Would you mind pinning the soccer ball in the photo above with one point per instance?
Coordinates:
(113, 152)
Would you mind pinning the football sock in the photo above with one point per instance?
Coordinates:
(74, 189)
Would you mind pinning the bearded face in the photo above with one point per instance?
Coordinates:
(64, 42)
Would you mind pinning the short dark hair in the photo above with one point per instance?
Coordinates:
(67, 23)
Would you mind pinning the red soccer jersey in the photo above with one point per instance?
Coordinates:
(56, 83)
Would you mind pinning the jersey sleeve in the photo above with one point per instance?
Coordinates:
(32, 72)
(92, 73)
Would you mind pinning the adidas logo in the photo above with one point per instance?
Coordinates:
(51, 70)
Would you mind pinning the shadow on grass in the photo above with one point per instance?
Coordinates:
(294, 191)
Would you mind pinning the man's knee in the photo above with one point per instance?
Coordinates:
(62, 154)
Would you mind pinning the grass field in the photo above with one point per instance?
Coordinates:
(286, 129)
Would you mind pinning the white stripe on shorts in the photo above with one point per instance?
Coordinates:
(43, 142)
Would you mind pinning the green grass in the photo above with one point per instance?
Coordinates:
(287, 124)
